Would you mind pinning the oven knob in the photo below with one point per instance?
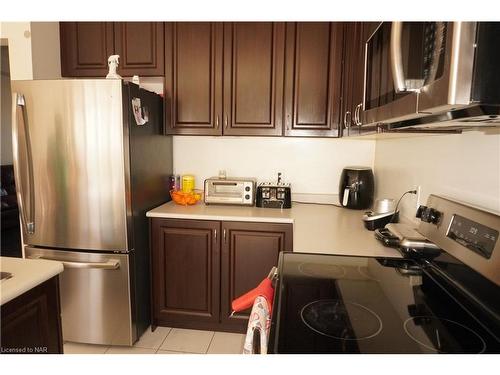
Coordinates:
(247, 197)
(435, 216)
(247, 188)
(428, 215)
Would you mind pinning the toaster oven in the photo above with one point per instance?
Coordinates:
(239, 191)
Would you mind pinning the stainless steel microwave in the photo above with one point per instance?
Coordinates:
(432, 74)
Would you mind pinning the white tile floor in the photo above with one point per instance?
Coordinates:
(166, 340)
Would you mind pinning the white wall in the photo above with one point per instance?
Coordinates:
(33, 49)
(312, 165)
(462, 166)
(18, 35)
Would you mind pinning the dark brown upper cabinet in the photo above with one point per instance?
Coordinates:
(356, 35)
(253, 78)
(141, 48)
(224, 78)
(313, 83)
(353, 76)
(193, 78)
(86, 46)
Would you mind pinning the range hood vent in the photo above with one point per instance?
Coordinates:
(476, 117)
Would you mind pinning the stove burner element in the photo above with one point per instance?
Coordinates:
(341, 319)
(443, 335)
(322, 270)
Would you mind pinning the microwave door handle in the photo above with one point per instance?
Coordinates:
(398, 74)
(357, 118)
(20, 133)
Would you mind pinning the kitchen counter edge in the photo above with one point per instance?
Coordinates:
(26, 274)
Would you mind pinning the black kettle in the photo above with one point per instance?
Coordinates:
(356, 187)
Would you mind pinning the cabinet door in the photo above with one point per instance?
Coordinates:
(313, 78)
(141, 48)
(253, 78)
(368, 28)
(185, 273)
(353, 76)
(33, 320)
(193, 74)
(85, 48)
(249, 251)
(357, 33)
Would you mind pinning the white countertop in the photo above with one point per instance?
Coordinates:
(26, 274)
(317, 228)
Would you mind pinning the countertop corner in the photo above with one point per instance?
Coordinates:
(26, 274)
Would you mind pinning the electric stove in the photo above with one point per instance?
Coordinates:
(349, 304)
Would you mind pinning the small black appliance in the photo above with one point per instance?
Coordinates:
(356, 187)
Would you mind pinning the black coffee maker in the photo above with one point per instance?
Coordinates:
(356, 187)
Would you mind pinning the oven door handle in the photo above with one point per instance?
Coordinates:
(111, 264)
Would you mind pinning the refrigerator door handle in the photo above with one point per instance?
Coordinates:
(21, 130)
(111, 264)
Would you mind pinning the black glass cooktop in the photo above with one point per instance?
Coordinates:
(338, 304)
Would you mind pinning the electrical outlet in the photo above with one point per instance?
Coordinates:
(418, 195)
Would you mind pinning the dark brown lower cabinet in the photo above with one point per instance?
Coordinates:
(31, 323)
(249, 251)
(185, 270)
(200, 266)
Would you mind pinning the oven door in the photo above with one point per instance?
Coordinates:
(388, 51)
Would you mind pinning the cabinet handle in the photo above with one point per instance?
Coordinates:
(287, 122)
(217, 122)
(347, 124)
(224, 232)
(215, 235)
(226, 123)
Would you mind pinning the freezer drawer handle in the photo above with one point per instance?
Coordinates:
(111, 264)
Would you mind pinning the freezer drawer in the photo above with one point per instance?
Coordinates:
(95, 296)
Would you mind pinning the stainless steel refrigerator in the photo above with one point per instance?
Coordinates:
(90, 159)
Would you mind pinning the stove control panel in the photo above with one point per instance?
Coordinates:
(474, 236)
(466, 232)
